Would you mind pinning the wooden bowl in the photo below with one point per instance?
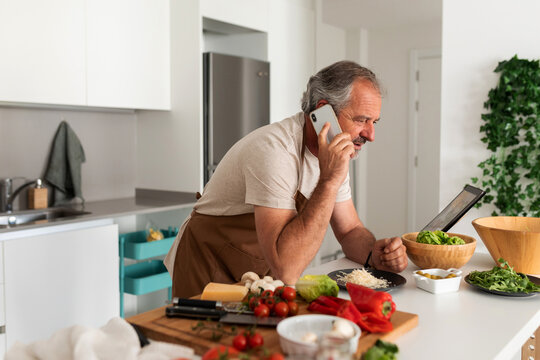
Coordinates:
(513, 238)
(427, 256)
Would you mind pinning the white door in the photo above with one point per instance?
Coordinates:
(426, 137)
(128, 54)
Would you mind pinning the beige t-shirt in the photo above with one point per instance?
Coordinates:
(264, 169)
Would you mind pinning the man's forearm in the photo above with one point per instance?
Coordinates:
(357, 244)
(302, 237)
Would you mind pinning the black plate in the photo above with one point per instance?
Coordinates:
(393, 279)
(506, 293)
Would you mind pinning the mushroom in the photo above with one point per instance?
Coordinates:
(278, 283)
(268, 279)
(256, 285)
(309, 337)
(268, 286)
(342, 328)
(249, 276)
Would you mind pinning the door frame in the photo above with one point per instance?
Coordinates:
(414, 57)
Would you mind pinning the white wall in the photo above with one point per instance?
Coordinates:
(476, 36)
(388, 56)
(108, 139)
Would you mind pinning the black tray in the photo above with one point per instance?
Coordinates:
(393, 279)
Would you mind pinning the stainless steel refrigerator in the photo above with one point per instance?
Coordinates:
(236, 102)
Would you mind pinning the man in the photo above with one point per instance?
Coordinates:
(268, 204)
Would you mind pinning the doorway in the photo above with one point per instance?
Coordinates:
(424, 135)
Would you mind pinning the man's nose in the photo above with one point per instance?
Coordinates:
(368, 132)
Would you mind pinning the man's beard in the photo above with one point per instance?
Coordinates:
(358, 141)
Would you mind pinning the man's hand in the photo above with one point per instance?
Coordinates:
(389, 254)
(334, 157)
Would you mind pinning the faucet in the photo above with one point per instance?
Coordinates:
(7, 197)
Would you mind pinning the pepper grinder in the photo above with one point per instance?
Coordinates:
(37, 196)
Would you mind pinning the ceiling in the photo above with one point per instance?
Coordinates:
(378, 14)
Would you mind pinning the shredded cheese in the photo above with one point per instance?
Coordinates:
(364, 278)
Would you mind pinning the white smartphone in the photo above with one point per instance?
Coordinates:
(321, 116)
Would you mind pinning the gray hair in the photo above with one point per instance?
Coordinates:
(334, 84)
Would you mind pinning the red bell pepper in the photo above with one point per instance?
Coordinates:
(320, 308)
(368, 300)
(331, 305)
(374, 323)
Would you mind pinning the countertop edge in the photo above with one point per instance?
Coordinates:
(105, 209)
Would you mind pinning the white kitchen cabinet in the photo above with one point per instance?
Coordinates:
(42, 51)
(128, 59)
(60, 279)
(85, 53)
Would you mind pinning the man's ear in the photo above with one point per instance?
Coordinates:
(321, 103)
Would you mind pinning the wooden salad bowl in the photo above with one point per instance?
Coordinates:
(427, 256)
(513, 238)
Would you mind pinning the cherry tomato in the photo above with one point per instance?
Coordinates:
(262, 311)
(288, 294)
(281, 309)
(267, 293)
(279, 291)
(219, 352)
(270, 302)
(254, 302)
(293, 308)
(275, 356)
(240, 342)
(255, 340)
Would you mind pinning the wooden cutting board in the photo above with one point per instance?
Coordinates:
(156, 326)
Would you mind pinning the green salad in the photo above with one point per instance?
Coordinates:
(438, 237)
(503, 278)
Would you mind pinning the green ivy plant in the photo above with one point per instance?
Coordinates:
(511, 131)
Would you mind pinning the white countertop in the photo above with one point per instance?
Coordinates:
(467, 324)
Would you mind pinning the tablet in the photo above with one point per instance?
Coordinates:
(458, 207)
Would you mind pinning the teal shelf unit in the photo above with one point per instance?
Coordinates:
(146, 275)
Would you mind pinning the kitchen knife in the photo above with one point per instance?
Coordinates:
(221, 315)
(234, 307)
(194, 312)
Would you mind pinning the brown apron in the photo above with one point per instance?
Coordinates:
(220, 249)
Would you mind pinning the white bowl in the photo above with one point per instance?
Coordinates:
(438, 286)
(291, 331)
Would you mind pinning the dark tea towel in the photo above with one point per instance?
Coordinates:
(64, 169)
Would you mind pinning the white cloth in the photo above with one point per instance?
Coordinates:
(117, 340)
(263, 169)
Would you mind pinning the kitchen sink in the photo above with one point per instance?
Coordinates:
(25, 217)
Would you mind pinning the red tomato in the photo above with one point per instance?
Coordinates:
(281, 309)
(267, 294)
(255, 340)
(293, 308)
(240, 342)
(270, 302)
(254, 302)
(279, 291)
(262, 311)
(275, 356)
(288, 294)
(219, 352)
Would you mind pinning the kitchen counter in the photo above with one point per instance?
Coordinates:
(105, 209)
(467, 324)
